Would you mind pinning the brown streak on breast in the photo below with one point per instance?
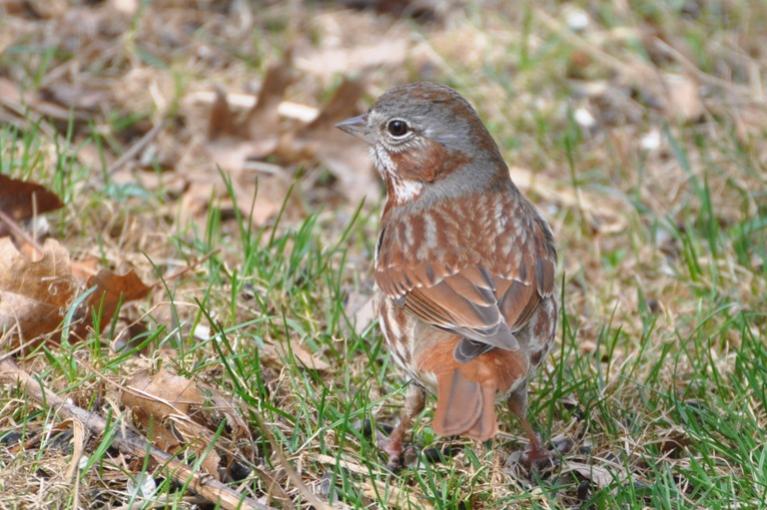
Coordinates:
(418, 225)
(390, 198)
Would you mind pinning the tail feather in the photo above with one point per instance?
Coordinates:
(466, 391)
(486, 425)
(464, 407)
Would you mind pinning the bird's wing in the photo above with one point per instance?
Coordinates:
(484, 303)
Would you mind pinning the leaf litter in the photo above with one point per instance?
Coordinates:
(35, 295)
(239, 145)
(21, 200)
(167, 407)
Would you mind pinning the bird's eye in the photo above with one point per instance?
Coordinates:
(397, 128)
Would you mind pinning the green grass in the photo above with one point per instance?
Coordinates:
(659, 377)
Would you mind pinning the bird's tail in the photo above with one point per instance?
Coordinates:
(464, 407)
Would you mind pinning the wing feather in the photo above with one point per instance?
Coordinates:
(484, 298)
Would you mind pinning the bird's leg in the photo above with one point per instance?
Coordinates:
(393, 445)
(518, 405)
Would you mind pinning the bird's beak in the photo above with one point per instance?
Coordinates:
(356, 126)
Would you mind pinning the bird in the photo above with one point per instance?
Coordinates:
(464, 266)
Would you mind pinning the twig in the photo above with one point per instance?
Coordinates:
(636, 69)
(28, 117)
(712, 80)
(137, 147)
(287, 109)
(130, 442)
(18, 231)
(181, 272)
(78, 431)
(593, 51)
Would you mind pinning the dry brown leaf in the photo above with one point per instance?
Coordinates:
(304, 356)
(263, 195)
(262, 119)
(269, 192)
(233, 142)
(161, 394)
(34, 294)
(75, 96)
(163, 404)
(238, 101)
(112, 290)
(46, 9)
(85, 268)
(369, 48)
(12, 97)
(281, 354)
(599, 475)
(22, 199)
(345, 157)
(14, 7)
(676, 95)
(222, 120)
(221, 405)
(389, 51)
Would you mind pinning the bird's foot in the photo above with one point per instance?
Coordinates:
(399, 454)
(538, 458)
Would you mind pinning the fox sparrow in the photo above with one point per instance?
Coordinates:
(464, 263)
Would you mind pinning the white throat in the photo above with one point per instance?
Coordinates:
(404, 189)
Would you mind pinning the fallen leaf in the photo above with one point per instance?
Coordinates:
(261, 120)
(237, 101)
(176, 411)
(605, 213)
(599, 475)
(345, 157)
(75, 96)
(34, 294)
(161, 394)
(236, 144)
(23, 199)
(261, 195)
(112, 290)
(233, 142)
(12, 97)
(14, 7)
(220, 405)
(330, 61)
(305, 357)
(676, 95)
(336, 50)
